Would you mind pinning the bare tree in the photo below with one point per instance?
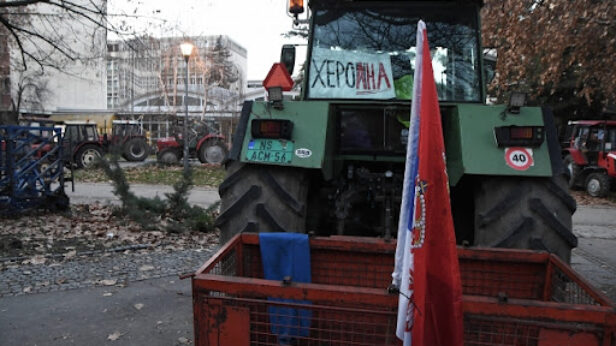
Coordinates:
(37, 29)
(31, 91)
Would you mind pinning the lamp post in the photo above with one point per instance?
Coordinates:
(186, 49)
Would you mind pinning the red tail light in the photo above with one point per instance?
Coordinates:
(296, 6)
(519, 136)
(271, 128)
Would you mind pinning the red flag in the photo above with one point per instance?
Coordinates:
(436, 284)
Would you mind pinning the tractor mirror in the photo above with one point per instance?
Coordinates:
(287, 57)
(489, 64)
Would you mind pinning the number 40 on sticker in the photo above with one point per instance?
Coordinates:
(519, 158)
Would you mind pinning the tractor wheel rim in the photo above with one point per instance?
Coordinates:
(214, 154)
(136, 150)
(89, 156)
(594, 186)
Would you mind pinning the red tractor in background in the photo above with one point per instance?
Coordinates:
(80, 140)
(204, 143)
(82, 144)
(128, 137)
(590, 156)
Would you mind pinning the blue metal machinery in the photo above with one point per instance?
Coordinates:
(31, 169)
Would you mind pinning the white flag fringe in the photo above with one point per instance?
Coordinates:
(404, 258)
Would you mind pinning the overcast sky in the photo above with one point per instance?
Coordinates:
(256, 25)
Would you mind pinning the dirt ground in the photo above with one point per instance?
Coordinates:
(84, 230)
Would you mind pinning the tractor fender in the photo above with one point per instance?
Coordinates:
(167, 142)
(577, 156)
(472, 148)
(240, 131)
(609, 162)
(592, 169)
(207, 138)
(81, 144)
(311, 143)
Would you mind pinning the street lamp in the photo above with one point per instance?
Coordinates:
(186, 49)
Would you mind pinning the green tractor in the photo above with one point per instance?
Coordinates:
(332, 162)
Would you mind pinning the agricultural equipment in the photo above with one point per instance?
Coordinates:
(510, 297)
(333, 161)
(128, 139)
(590, 157)
(203, 143)
(31, 169)
(82, 144)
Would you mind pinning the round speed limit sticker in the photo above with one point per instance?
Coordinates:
(519, 158)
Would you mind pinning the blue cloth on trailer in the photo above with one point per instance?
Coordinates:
(287, 254)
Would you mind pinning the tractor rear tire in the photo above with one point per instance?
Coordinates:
(528, 213)
(573, 171)
(598, 184)
(87, 155)
(261, 198)
(136, 150)
(213, 152)
(168, 156)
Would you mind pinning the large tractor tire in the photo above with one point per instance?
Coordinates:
(212, 151)
(528, 213)
(260, 198)
(136, 150)
(573, 171)
(169, 156)
(87, 155)
(598, 184)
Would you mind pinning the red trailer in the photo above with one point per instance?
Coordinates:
(511, 297)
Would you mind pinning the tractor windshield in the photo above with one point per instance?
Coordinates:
(363, 51)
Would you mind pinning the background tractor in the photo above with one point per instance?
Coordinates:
(333, 161)
(204, 143)
(590, 156)
(81, 143)
(128, 137)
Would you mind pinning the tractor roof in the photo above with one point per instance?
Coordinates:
(132, 122)
(593, 122)
(479, 2)
(79, 122)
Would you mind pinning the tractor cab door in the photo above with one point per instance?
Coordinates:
(591, 141)
(610, 139)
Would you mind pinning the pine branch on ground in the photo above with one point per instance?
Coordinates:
(178, 215)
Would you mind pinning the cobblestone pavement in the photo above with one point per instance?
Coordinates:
(109, 269)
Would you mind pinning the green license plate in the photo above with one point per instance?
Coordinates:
(270, 150)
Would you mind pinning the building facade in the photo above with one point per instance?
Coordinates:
(147, 75)
(64, 62)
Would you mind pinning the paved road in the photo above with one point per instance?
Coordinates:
(69, 311)
(88, 193)
(595, 256)
(89, 316)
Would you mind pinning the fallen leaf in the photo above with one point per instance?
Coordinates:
(114, 336)
(138, 306)
(108, 282)
(38, 259)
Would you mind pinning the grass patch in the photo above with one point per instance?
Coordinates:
(205, 175)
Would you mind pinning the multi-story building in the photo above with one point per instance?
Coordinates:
(147, 75)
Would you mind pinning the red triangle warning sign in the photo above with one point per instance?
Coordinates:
(278, 76)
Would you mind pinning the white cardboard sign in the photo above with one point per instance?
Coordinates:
(354, 75)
